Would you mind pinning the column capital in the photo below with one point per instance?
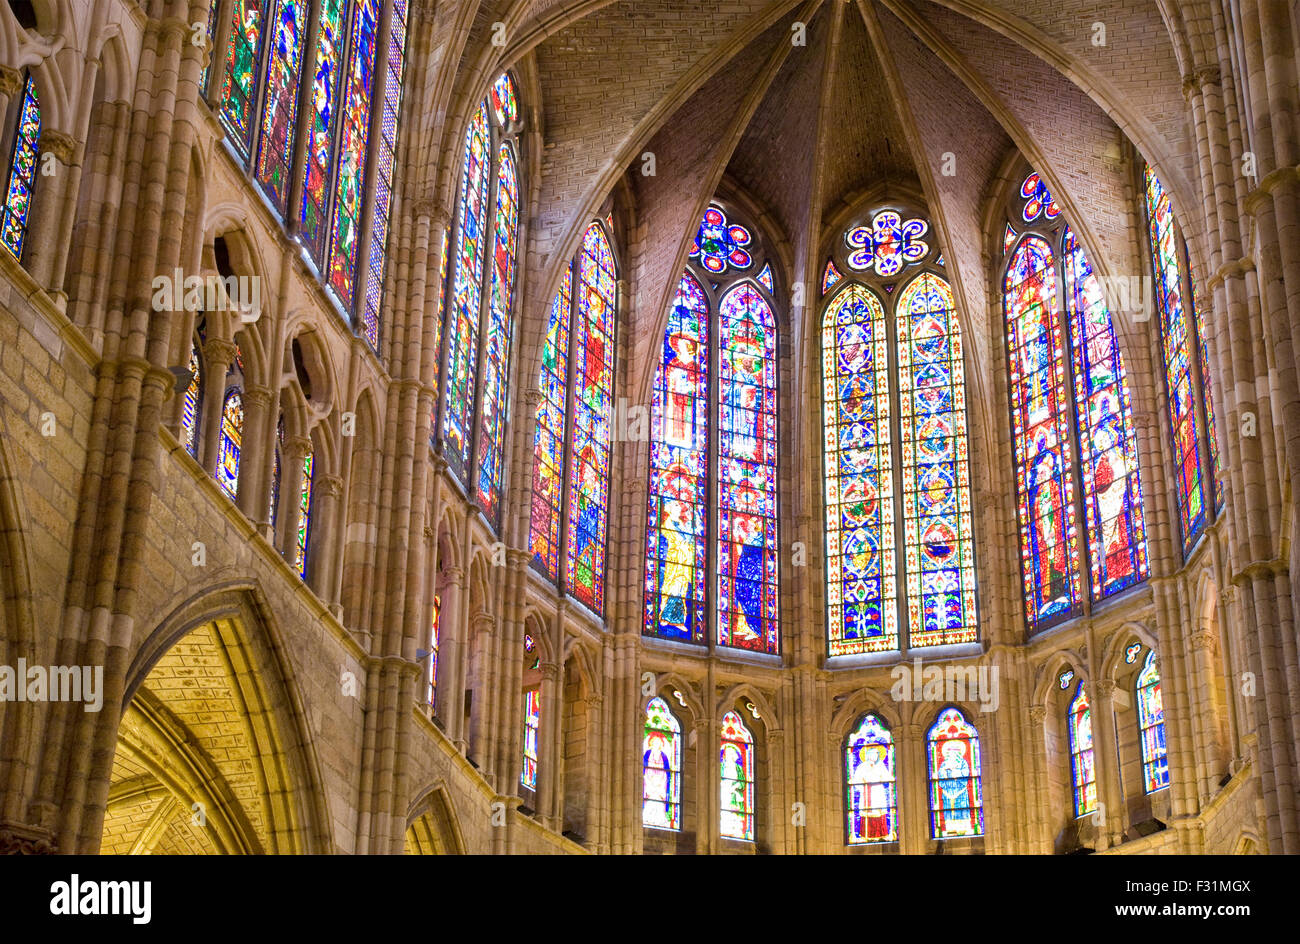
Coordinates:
(533, 396)
(550, 671)
(1202, 639)
(219, 352)
(258, 396)
(518, 557)
(330, 485)
(297, 446)
(11, 81)
(1037, 713)
(62, 146)
(1106, 688)
(452, 576)
(483, 621)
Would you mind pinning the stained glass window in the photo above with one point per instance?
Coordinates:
(385, 153)
(956, 798)
(431, 674)
(321, 121)
(1039, 200)
(661, 768)
(1178, 355)
(676, 551)
(593, 356)
(719, 243)
(860, 562)
(871, 800)
(1064, 679)
(496, 354)
(1112, 488)
(831, 277)
(888, 244)
(1008, 239)
(1049, 547)
(467, 282)
(504, 103)
(1131, 653)
(940, 562)
(22, 172)
(548, 436)
(532, 723)
(232, 429)
(747, 523)
(1082, 772)
(349, 185)
(280, 105)
(765, 277)
(304, 515)
(193, 396)
(1151, 727)
(274, 510)
(737, 775)
(238, 92)
(1196, 304)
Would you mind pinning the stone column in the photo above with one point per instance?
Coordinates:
(218, 355)
(1037, 814)
(54, 199)
(255, 470)
(450, 696)
(550, 750)
(291, 478)
(1105, 753)
(323, 544)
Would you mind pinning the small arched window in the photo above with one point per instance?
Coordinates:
(431, 674)
(1151, 727)
(304, 514)
(661, 768)
(871, 800)
(1083, 774)
(953, 757)
(736, 762)
(23, 158)
(232, 431)
(274, 510)
(193, 399)
(532, 712)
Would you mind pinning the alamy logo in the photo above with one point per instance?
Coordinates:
(950, 683)
(181, 292)
(76, 897)
(84, 683)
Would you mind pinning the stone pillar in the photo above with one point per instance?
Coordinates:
(1037, 813)
(1110, 795)
(291, 478)
(450, 697)
(55, 208)
(550, 749)
(255, 470)
(218, 355)
(323, 544)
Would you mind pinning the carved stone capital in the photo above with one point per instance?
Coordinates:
(533, 396)
(330, 485)
(550, 671)
(16, 839)
(1037, 713)
(518, 557)
(62, 146)
(297, 447)
(1202, 639)
(452, 577)
(257, 396)
(483, 621)
(220, 354)
(1106, 688)
(11, 81)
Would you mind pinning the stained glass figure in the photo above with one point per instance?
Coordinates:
(1049, 544)
(676, 536)
(304, 515)
(1151, 727)
(765, 277)
(871, 802)
(467, 281)
(830, 277)
(736, 769)
(232, 429)
(1177, 345)
(661, 768)
(1112, 488)
(496, 353)
(431, 674)
(1131, 653)
(505, 106)
(280, 101)
(22, 172)
(861, 593)
(1008, 239)
(323, 105)
(354, 136)
(937, 527)
(747, 454)
(238, 91)
(719, 243)
(532, 724)
(593, 368)
(1038, 200)
(548, 435)
(1082, 772)
(385, 154)
(956, 798)
(193, 396)
(888, 245)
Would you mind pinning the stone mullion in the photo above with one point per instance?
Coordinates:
(912, 788)
(252, 494)
(323, 544)
(142, 386)
(224, 24)
(451, 656)
(1110, 795)
(218, 355)
(598, 746)
(550, 752)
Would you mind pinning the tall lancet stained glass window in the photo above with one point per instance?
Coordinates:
(280, 107)
(953, 760)
(15, 214)
(243, 64)
(304, 514)
(1151, 726)
(1112, 488)
(736, 775)
(496, 343)
(593, 387)
(937, 529)
(747, 525)
(232, 431)
(677, 528)
(1083, 774)
(576, 382)
(661, 768)
(1049, 545)
(860, 576)
(871, 802)
(191, 404)
(1182, 346)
